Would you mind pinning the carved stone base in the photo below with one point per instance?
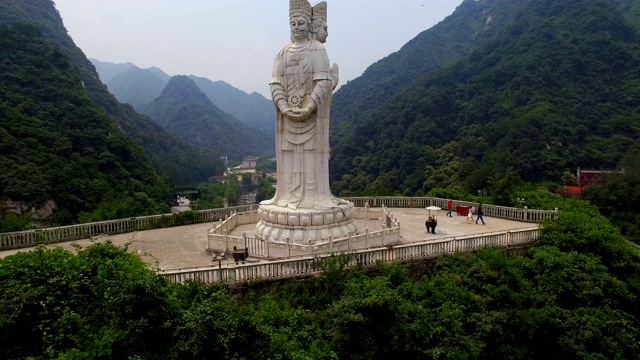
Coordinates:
(305, 226)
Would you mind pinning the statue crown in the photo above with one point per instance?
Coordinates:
(319, 11)
(299, 7)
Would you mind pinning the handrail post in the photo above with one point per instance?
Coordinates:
(266, 245)
(366, 238)
(244, 239)
(330, 244)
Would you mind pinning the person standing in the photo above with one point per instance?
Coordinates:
(450, 206)
(479, 214)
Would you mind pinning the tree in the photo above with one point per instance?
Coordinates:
(569, 179)
(265, 190)
(232, 192)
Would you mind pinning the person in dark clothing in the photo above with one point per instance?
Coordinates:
(480, 212)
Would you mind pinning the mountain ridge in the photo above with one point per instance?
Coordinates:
(251, 108)
(524, 102)
(169, 155)
(185, 109)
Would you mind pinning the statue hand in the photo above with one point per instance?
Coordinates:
(299, 114)
(333, 71)
(288, 112)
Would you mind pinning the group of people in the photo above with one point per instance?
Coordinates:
(478, 211)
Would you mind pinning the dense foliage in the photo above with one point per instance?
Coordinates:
(56, 143)
(618, 197)
(184, 109)
(557, 89)
(168, 155)
(573, 296)
(472, 24)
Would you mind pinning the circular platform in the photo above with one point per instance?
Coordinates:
(305, 226)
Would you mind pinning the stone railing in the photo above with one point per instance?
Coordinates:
(29, 238)
(518, 214)
(312, 265)
(219, 240)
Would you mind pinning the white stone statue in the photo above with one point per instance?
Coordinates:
(301, 88)
(303, 210)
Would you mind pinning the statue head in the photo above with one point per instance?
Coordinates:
(299, 19)
(319, 22)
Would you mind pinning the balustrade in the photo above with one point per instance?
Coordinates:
(83, 231)
(307, 265)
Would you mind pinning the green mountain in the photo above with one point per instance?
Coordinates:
(557, 89)
(252, 109)
(136, 86)
(59, 148)
(160, 74)
(108, 70)
(167, 153)
(471, 25)
(184, 109)
(631, 11)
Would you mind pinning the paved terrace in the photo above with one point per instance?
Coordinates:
(184, 246)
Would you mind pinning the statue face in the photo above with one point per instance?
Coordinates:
(299, 27)
(322, 33)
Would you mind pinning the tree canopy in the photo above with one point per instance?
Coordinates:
(56, 144)
(573, 295)
(556, 89)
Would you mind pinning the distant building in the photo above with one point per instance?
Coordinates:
(588, 177)
(220, 178)
(250, 162)
(249, 165)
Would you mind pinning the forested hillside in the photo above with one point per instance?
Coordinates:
(108, 70)
(56, 144)
(471, 25)
(167, 153)
(184, 109)
(574, 296)
(136, 86)
(253, 109)
(557, 89)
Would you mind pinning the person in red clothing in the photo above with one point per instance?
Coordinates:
(450, 206)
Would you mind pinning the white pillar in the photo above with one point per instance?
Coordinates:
(330, 244)
(366, 238)
(266, 245)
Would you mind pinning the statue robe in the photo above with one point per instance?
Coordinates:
(302, 147)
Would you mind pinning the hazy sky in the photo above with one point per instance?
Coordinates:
(236, 40)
